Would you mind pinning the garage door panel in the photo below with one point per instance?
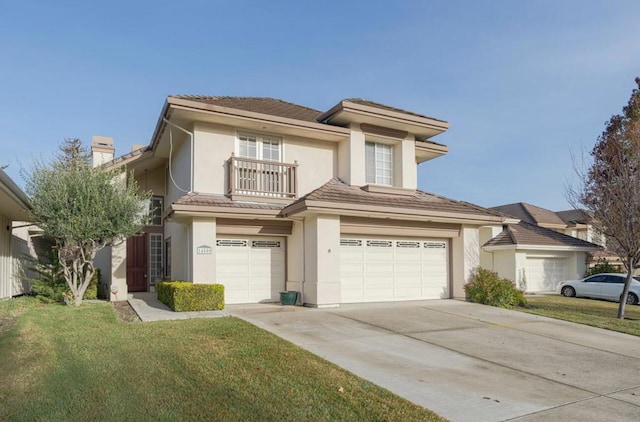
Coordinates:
(544, 274)
(393, 269)
(251, 268)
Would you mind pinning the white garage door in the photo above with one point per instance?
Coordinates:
(387, 269)
(544, 274)
(251, 268)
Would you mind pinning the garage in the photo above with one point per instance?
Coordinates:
(544, 274)
(252, 268)
(388, 269)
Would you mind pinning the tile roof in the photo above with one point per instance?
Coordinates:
(575, 216)
(386, 107)
(339, 192)
(530, 213)
(530, 234)
(263, 105)
(211, 200)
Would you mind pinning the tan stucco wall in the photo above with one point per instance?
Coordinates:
(152, 181)
(487, 233)
(317, 162)
(295, 257)
(180, 168)
(203, 233)
(213, 147)
(214, 144)
(179, 250)
(119, 271)
(465, 253)
(322, 260)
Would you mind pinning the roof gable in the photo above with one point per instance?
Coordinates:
(525, 233)
(531, 214)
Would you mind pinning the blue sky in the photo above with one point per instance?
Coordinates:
(522, 83)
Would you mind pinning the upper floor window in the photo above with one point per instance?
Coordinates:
(378, 163)
(155, 211)
(259, 147)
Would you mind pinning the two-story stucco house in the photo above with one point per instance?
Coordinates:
(263, 195)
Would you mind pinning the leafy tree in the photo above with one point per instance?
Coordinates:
(83, 209)
(610, 187)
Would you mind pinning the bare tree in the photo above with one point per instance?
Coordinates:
(609, 187)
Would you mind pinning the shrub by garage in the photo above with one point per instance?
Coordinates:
(184, 296)
(487, 288)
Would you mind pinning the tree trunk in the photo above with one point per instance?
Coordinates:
(625, 291)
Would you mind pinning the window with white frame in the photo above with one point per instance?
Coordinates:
(155, 257)
(259, 147)
(378, 163)
(155, 211)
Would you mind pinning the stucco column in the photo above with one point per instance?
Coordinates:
(203, 250)
(322, 260)
(465, 256)
(118, 271)
(406, 168)
(295, 257)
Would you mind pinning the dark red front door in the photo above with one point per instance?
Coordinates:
(137, 263)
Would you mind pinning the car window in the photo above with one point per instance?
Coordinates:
(596, 279)
(615, 279)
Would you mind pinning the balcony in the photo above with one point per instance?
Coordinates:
(262, 180)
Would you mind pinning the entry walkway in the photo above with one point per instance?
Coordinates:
(149, 308)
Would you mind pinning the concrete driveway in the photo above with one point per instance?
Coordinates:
(470, 362)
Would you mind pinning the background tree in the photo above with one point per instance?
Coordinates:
(83, 209)
(610, 187)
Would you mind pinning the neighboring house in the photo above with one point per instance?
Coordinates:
(14, 206)
(539, 251)
(263, 195)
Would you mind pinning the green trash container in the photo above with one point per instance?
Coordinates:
(288, 298)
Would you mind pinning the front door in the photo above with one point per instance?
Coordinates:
(137, 263)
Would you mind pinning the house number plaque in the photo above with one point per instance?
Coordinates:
(204, 250)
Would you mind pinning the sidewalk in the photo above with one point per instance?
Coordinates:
(149, 308)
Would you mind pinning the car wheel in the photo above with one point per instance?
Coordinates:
(632, 299)
(568, 291)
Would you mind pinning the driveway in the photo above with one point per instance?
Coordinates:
(470, 362)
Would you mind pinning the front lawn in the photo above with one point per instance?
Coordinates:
(65, 363)
(592, 312)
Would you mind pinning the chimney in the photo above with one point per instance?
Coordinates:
(102, 150)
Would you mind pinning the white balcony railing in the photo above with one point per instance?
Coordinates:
(248, 176)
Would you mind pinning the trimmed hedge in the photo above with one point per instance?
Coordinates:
(184, 296)
(487, 288)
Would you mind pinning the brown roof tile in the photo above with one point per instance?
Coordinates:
(530, 234)
(575, 216)
(223, 201)
(386, 107)
(263, 105)
(337, 191)
(530, 213)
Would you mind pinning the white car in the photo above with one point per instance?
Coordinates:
(606, 286)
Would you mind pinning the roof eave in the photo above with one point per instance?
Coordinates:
(211, 108)
(310, 206)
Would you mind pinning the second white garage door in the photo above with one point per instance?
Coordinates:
(252, 269)
(544, 274)
(387, 269)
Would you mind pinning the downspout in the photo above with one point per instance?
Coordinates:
(192, 146)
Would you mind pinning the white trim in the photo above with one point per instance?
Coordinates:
(540, 248)
(259, 139)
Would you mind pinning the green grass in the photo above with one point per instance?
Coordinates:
(66, 363)
(596, 313)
